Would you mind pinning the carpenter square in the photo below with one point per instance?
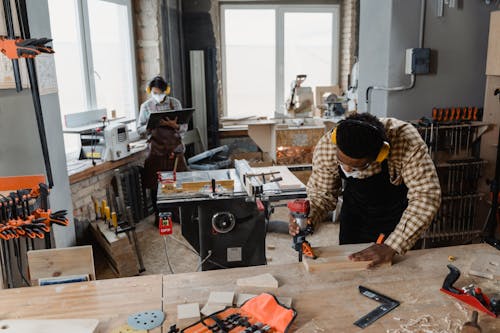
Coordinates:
(387, 305)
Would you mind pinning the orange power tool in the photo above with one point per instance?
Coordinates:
(299, 209)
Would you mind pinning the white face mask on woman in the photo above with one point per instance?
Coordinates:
(158, 97)
(353, 174)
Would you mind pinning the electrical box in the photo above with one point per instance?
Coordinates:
(418, 61)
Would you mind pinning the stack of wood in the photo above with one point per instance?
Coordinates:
(118, 248)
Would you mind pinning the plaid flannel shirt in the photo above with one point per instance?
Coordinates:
(152, 106)
(409, 163)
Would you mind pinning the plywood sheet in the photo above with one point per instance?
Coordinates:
(76, 260)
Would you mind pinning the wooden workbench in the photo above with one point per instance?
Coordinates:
(325, 301)
(110, 301)
(330, 301)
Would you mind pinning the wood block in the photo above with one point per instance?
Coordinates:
(336, 258)
(49, 326)
(258, 281)
(187, 314)
(208, 309)
(242, 298)
(49, 263)
(487, 266)
(285, 301)
(221, 298)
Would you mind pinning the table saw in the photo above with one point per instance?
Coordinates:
(224, 213)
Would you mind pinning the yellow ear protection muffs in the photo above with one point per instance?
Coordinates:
(384, 150)
(158, 78)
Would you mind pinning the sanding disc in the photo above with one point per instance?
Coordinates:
(146, 320)
(127, 329)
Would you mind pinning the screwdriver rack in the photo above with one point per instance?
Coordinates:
(454, 147)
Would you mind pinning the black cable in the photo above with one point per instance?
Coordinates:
(17, 252)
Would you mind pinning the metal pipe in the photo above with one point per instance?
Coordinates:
(412, 76)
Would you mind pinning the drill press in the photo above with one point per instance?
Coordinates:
(299, 209)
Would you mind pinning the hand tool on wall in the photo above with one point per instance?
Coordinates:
(387, 305)
(299, 209)
(470, 294)
(472, 325)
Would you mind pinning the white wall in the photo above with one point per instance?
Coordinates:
(459, 38)
(20, 150)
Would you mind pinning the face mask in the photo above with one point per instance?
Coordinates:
(158, 97)
(353, 174)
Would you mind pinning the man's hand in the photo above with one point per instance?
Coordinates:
(169, 123)
(377, 253)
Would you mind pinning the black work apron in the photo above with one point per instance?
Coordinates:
(371, 206)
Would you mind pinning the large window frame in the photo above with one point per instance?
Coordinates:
(280, 11)
(86, 52)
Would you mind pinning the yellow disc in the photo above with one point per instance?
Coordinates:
(127, 329)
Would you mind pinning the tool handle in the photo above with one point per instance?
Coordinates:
(451, 278)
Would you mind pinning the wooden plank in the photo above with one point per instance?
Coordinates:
(334, 258)
(258, 281)
(49, 326)
(61, 262)
(263, 136)
(187, 314)
(110, 301)
(493, 58)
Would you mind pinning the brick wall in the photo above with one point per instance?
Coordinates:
(83, 191)
(348, 42)
(147, 24)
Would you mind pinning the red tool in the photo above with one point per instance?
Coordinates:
(165, 224)
(299, 209)
(471, 295)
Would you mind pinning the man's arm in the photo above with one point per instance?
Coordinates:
(424, 197)
(324, 185)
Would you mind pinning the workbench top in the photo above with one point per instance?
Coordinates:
(331, 302)
(325, 301)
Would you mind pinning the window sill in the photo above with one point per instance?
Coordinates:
(87, 171)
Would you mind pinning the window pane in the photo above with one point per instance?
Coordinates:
(250, 62)
(68, 59)
(308, 48)
(111, 54)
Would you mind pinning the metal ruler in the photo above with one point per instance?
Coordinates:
(387, 305)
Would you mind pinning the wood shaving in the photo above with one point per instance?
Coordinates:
(428, 324)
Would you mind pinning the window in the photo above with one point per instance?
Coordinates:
(264, 47)
(95, 64)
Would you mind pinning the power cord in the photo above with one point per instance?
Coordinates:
(194, 251)
(166, 255)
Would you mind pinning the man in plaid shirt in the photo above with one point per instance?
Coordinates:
(388, 182)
